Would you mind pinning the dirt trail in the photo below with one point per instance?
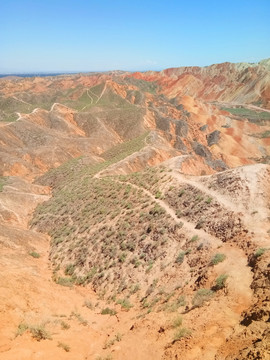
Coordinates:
(24, 102)
(103, 91)
(188, 226)
(91, 100)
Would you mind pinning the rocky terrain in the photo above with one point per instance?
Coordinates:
(135, 214)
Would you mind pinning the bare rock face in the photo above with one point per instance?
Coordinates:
(213, 138)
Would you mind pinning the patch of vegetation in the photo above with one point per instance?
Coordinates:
(180, 258)
(253, 116)
(177, 322)
(3, 180)
(263, 135)
(64, 346)
(181, 333)
(79, 317)
(64, 281)
(125, 303)
(221, 282)
(125, 149)
(64, 325)
(260, 252)
(143, 85)
(109, 343)
(194, 238)
(38, 332)
(108, 311)
(208, 200)
(77, 215)
(69, 270)
(217, 258)
(34, 254)
(201, 296)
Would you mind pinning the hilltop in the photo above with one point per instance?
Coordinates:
(135, 209)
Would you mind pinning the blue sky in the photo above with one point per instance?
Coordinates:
(99, 35)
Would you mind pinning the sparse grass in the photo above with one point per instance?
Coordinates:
(64, 346)
(77, 215)
(106, 357)
(260, 252)
(221, 281)
(135, 288)
(69, 270)
(201, 296)
(125, 303)
(109, 343)
(64, 325)
(252, 115)
(194, 238)
(21, 329)
(181, 333)
(79, 317)
(38, 332)
(181, 301)
(177, 322)
(180, 257)
(34, 254)
(181, 192)
(108, 311)
(3, 180)
(88, 304)
(125, 149)
(217, 258)
(158, 194)
(63, 281)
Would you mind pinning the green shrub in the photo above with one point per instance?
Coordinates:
(217, 258)
(21, 329)
(180, 257)
(181, 192)
(64, 281)
(69, 270)
(194, 238)
(181, 333)
(221, 281)
(260, 252)
(108, 311)
(125, 303)
(201, 296)
(38, 332)
(34, 254)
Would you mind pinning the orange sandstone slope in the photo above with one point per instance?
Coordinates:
(119, 109)
(152, 226)
(242, 83)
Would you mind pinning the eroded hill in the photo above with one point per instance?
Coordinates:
(135, 210)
